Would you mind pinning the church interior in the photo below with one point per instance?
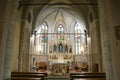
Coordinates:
(59, 40)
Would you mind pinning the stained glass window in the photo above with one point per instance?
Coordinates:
(60, 31)
(60, 37)
(77, 38)
(44, 38)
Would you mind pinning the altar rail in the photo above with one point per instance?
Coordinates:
(100, 76)
(28, 76)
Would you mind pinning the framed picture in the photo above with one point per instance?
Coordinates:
(117, 34)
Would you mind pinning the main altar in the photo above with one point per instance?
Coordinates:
(59, 64)
(57, 49)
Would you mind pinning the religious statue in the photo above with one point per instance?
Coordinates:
(34, 67)
(66, 48)
(60, 48)
(54, 48)
(70, 50)
(50, 49)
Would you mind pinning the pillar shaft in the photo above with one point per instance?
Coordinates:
(3, 33)
(24, 50)
(7, 37)
(95, 46)
(105, 39)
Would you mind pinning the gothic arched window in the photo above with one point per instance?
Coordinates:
(60, 37)
(77, 38)
(60, 31)
(44, 38)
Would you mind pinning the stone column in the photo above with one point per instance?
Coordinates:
(15, 56)
(23, 61)
(24, 47)
(20, 56)
(3, 33)
(8, 14)
(95, 46)
(105, 39)
(25, 50)
(98, 45)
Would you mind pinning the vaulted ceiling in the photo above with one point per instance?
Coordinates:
(84, 6)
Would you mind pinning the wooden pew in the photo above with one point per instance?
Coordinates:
(45, 74)
(24, 78)
(87, 75)
(28, 76)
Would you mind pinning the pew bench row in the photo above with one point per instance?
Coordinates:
(98, 76)
(28, 76)
(44, 76)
